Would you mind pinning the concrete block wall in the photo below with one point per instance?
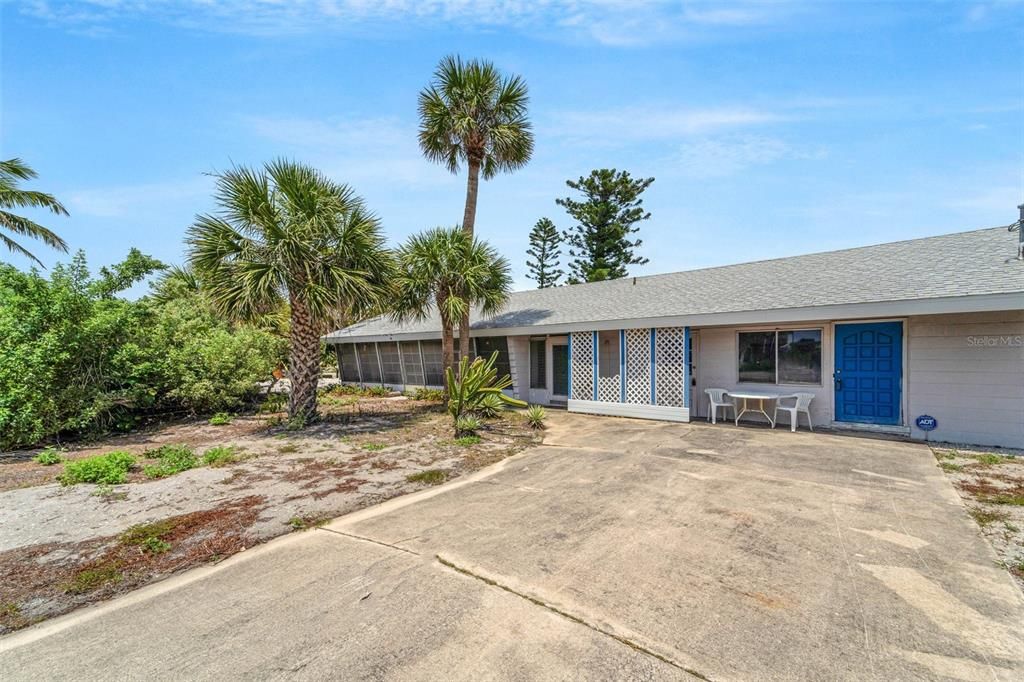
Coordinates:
(967, 371)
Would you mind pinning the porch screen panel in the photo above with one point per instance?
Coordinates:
(411, 359)
(433, 363)
(638, 366)
(670, 366)
(582, 362)
(390, 363)
(348, 372)
(368, 363)
(609, 367)
(486, 345)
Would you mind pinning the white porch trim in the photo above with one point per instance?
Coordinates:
(659, 412)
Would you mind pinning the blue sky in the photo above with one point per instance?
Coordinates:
(771, 128)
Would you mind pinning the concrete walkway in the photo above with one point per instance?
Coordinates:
(619, 550)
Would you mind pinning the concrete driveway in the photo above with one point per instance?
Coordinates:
(619, 550)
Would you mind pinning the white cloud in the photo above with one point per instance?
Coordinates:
(610, 22)
(721, 156)
(137, 200)
(655, 123)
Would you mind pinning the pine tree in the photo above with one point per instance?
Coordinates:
(600, 244)
(545, 250)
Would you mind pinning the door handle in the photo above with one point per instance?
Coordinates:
(838, 380)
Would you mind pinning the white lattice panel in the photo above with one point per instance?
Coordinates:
(638, 366)
(583, 366)
(670, 363)
(609, 389)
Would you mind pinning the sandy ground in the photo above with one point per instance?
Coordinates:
(362, 454)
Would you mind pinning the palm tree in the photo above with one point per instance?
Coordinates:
(286, 234)
(471, 114)
(11, 171)
(446, 269)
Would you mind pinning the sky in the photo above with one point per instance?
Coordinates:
(771, 128)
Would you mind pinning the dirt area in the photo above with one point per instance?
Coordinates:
(65, 546)
(992, 486)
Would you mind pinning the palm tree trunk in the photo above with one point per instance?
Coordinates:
(468, 225)
(304, 363)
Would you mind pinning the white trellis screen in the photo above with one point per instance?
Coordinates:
(582, 365)
(670, 366)
(638, 366)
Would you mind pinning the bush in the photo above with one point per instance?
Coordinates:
(474, 381)
(220, 419)
(49, 457)
(173, 459)
(535, 416)
(111, 468)
(430, 477)
(490, 406)
(220, 456)
(467, 425)
(274, 402)
(431, 394)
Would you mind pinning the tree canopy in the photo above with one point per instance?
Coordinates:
(12, 171)
(544, 254)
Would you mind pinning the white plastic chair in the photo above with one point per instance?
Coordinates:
(803, 404)
(716, 399)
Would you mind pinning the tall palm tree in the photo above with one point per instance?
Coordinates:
(446, 269)
(472, 114)
(285, 233)
(11, 172)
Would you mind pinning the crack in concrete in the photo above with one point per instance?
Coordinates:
(365, 539)
(575, 619)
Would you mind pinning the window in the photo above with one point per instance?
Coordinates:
(608, 386)
(538, 364)
(368, 364)
(433, 364)
(390, 363)
(780, 357)
(485, 345)
(347, 357)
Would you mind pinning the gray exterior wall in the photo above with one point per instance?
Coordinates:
(967, 371)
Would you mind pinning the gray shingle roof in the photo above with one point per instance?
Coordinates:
(953, 265)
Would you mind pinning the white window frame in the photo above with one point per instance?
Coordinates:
(776, 330)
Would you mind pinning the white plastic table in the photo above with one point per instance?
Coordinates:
(760, 397)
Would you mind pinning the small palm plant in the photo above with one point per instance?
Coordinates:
(11, 196)
(474, 382)
(535, 416)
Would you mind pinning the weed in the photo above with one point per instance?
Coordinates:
(467, 440)
(49, 457)
(986, 516)
(274, 402)
(950, 467)
(1011, 527)
(305, 522)
(296, 423)
(535, 416)
(988, 459)
(111, 468)
(155, 546)
(173, 459)
(220, 456)
(220, 419)
(90, 579)
(140, 534)
(1014, 500)
(374, 447)
(9, 609)
(106, 492)
(430, 394)
(430, 477)
(287, 449)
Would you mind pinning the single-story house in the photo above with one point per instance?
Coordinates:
(881, 335)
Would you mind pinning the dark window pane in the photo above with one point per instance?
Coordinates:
(368, 363)
(757, 357)
(800, 357)
(411, 359)
(485, 345)
(433, 368)
(390, 363)
(347, 357)
(538, 364)
(560, 369)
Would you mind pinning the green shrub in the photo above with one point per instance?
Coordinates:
(535, 416)
(220, 419)
(474, 381)
(49, 457)
(429, 394)
(274, 402)
(173, 459)
(467, 425)
(220, 456)
(490, 406)
(111, 468)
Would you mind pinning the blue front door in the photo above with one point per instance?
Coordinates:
(869, 369)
